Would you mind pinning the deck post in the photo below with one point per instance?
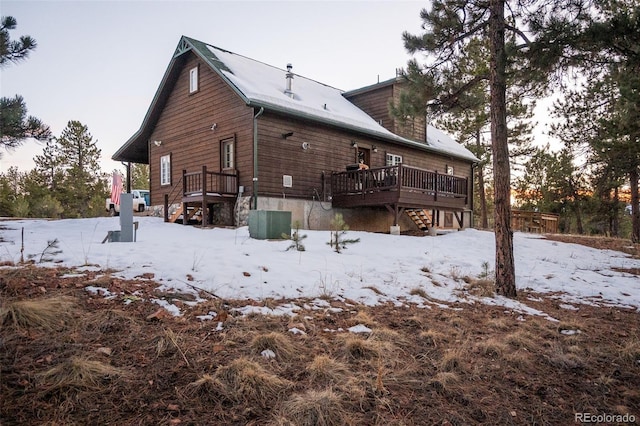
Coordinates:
(205, 214)
(435, 193)
(166, 207)
(185, 219)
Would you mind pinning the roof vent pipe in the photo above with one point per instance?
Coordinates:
(289, 76)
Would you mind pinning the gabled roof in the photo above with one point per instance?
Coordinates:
(262, 85)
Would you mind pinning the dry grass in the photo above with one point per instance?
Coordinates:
(49, 314)
(324, 370)
(522, 339)
(279, 343)
(491, 347)
(316, 408)
(362, 317)
(205, 389)
(245, 381)
(443, 381)
(358, 348)
(562, 358)
(417, 291)
(432, 337)
(464, 365)
(453, 361)
(480, 287)
(79, 373)
(630, 351)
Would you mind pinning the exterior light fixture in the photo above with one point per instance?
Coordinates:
(354, 144)
(287, 135)
(374, 148)
(157, 143)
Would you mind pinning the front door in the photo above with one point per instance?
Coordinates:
(364, 155)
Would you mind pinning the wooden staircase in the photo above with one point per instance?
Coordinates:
(420, 217)
(192, 213)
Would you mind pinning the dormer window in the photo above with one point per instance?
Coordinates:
(193, 80)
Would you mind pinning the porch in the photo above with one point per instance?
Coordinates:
(200, 190)
(399, 188)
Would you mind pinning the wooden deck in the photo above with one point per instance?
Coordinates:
(395, 187)
(399, 185)
(203, 188)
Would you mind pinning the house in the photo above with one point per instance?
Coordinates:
(226, 134)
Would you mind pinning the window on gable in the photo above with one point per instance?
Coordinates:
(393, 159)
(227, 153)
(165, 170)
(193, 80)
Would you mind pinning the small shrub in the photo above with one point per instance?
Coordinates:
(338, 232)
(296, 238)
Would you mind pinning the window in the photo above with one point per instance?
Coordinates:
(449, 170)
(193, 80)
(165, 170)
(393, 160)
(227, 152)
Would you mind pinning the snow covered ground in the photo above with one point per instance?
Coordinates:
(380, 268)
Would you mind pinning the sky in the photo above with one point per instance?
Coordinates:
(230, 264)
(101, 62)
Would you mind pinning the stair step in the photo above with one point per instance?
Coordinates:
(420, 217)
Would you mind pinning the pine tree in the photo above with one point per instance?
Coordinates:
(139, 176)
(83, 189)
(15, 125)
(451, 28)
(601, 39)
(13, 50)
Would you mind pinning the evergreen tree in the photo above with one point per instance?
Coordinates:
(10, 189)
(451, 29)
(551, 182)
(139, 176)
(601, 39)
(83, 188)
(15, 125)
(13, 50)
(49, 165)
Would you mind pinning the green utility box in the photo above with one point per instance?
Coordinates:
(269, 224)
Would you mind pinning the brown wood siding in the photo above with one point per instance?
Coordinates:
(412, 129)
(184, 127)
(375, 102)
(329, 150)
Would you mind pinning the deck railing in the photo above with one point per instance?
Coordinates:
(397, 178)
(209, 183)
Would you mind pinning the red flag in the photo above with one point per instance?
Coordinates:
(116, 188)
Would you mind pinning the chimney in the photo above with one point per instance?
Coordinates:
(289, 76)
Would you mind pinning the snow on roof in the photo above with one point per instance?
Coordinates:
(264, 85)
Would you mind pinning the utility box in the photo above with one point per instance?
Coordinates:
(269, 224)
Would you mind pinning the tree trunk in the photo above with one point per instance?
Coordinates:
(484, 220)
(615, 217)
(505, 267)
(635, 209)
(578, 212)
